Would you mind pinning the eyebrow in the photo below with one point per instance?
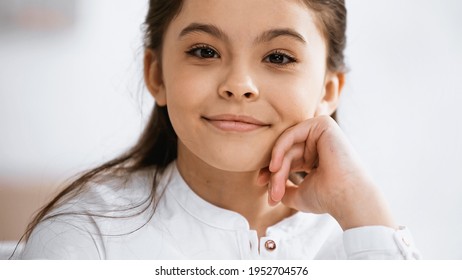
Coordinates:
(218, 33)
(274, 33)
(204, 28)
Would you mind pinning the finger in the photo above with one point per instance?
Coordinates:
(278, 182)
(307, 132)
(301, 198)
(281, 147)
(292, 199)
(272, 202)
(279, 178)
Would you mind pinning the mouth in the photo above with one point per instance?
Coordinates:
(235, 123)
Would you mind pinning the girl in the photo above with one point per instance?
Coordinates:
(240, 159)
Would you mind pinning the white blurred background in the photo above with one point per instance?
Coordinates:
(71, 96)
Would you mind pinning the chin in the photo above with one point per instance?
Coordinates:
(230, 157)
(240, 163)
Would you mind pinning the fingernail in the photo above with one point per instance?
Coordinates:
(271, 193)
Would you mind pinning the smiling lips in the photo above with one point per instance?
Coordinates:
(233, 123)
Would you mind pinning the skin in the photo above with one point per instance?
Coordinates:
(222, 57)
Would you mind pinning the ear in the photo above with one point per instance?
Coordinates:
(153, 77)
(333, 86)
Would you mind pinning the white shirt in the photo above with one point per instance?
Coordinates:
(184, 226)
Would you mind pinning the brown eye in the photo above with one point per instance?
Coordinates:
(279, 58)
(203, 52)
(207, 53)
(276, 58)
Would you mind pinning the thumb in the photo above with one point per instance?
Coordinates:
(292, 198)
(303, 197)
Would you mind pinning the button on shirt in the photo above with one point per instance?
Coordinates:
(184, 226)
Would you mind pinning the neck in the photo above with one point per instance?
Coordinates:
(236, 191)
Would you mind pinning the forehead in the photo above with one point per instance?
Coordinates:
(242, 19)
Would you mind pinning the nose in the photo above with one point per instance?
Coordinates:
(238, 84)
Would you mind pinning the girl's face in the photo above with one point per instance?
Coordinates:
(236, 74)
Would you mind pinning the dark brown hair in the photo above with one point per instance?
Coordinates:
(157, 146)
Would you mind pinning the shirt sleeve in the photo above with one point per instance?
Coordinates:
(379, 243)
(64, 238)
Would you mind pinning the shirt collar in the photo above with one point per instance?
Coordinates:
(213, 215)
(201, 209)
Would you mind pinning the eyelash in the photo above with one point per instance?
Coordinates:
(290, 59)
(192, 51)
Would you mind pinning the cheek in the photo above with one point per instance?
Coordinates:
(297, 100)
(186, 89)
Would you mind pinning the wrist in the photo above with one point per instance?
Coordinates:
(360, 207)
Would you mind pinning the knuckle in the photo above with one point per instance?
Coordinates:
(326, 120)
